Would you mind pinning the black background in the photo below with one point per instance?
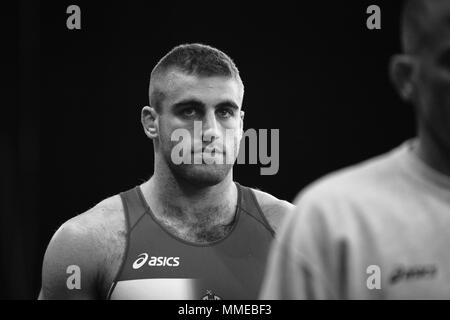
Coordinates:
(71, 132)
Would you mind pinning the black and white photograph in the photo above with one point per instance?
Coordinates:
(252, 152)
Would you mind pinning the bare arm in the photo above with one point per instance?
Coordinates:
(71, 263)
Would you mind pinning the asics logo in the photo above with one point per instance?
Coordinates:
(153, 261)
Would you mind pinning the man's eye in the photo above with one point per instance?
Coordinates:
(189, 112)
(225, 113)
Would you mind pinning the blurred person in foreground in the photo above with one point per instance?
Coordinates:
(381, 229)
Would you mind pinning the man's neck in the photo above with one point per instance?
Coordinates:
(189, 209)
(433, 154)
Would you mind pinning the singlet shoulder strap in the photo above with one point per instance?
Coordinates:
(249, 204)
(133, 206)
(134, 209)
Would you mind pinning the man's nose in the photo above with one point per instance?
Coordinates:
(210, 127)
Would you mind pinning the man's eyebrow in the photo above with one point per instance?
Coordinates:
(227, 104)
(188, 103)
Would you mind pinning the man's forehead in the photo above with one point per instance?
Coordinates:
(175, 79)
(175, 83)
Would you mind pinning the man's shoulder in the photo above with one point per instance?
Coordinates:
(91, 232)
(273, 208)
(107, 214)
(92, 242)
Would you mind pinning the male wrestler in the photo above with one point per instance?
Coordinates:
(190, 231)
(380, 229)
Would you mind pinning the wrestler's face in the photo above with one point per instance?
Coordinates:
(432, 84)
(199, 115)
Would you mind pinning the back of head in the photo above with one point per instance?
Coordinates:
(193, 59)
(418, 24)
(422, 75)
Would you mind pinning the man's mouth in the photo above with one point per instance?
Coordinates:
(209, 150)
(212, 153)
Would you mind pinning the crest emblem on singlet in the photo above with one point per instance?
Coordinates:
(210, 295)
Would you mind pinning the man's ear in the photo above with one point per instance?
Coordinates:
(403, 71)
(242, 121)
(149, 119)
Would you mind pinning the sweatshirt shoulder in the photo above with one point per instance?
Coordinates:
(361, 179)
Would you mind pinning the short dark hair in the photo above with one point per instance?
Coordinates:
(416, 25)
(193, 59)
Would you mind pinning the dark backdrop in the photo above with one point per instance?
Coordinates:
(73, 133)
